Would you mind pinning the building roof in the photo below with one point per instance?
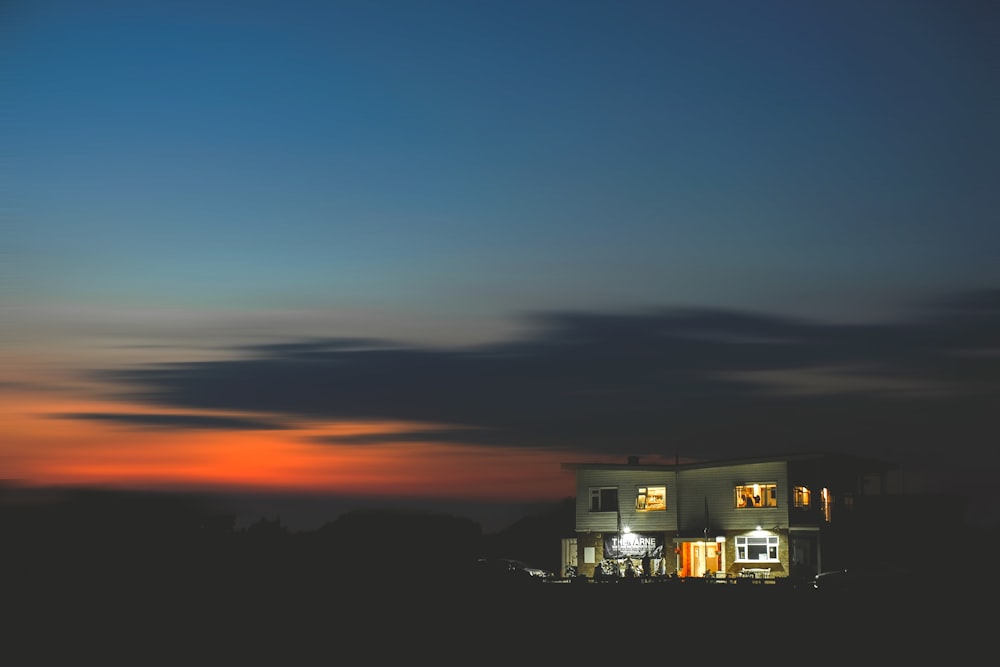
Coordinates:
(633, 462)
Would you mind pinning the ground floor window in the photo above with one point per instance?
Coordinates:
(756, 549)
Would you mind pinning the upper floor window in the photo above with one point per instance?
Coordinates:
(756, 494)
(649, 498)
(604, 499)
(826, 504)
(801, 497)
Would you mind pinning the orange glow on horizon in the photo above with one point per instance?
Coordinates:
(43, 447)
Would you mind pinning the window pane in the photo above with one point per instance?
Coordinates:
(651, 498)
(757, 494)
(609, 500)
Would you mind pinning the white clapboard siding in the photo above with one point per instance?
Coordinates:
(626, 480)
(706, 495)
(697, 498)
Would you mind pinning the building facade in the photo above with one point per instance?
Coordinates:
(762, 517)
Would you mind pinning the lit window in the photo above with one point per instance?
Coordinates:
(604, 499)
(756, 494)
(756, 549)
(801, 497)
(649, 498)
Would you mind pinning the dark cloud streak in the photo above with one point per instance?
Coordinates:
(692, 382)
(174, 421)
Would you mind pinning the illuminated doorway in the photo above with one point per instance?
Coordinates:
(698, 557)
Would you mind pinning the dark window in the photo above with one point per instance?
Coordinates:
(604, 500)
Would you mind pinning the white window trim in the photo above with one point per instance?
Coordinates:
(742, 543)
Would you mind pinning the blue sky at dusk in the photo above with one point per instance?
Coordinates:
(492, 236)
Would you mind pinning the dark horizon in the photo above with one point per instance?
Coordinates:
(96, 578)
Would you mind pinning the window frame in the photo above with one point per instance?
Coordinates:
(599, 495)
(826, 503)
(770, 546)
(764, 496)
(643, 495)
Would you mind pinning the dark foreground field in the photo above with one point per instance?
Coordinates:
(99, 581)
(292, 620)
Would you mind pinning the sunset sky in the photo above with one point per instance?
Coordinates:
(423, 252)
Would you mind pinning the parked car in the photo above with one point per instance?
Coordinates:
(831, 580)
(510, 569)
(864, 581)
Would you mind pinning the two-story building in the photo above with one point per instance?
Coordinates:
(765, 517)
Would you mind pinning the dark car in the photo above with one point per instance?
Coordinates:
(509, 569)
(863, 581)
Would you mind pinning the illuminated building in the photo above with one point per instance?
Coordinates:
(760, 518)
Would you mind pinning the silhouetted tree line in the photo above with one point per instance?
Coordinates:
(183, 546)
(177, 544)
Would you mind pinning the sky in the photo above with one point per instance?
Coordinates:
(315, 255)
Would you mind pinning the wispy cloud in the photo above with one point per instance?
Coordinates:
(836, 380)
